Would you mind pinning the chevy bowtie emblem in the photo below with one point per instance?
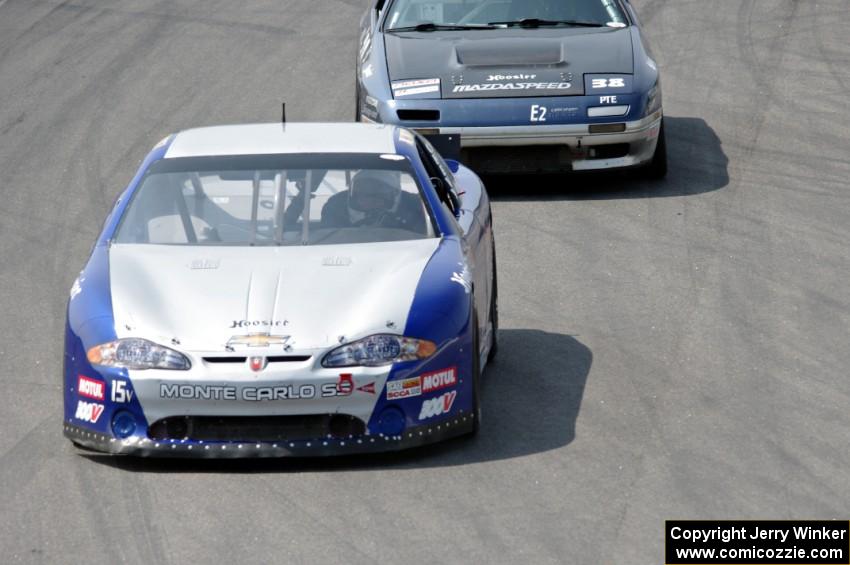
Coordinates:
(258, 340)
(258, 363)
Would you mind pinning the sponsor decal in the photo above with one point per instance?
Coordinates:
(438, 406)
(77, 287)
(344, 387)
(494, 78)
(406, 388)
(257, 363)
(248, 394)
(259, 324)
(91, 388)
(337, 261)
(119, 392)
(463, 278)
(513, 86)
(607, 99)
(413, 87)
(89, 411)
(204, 264)
(439, 380)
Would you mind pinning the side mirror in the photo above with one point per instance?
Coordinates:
(453, 165)
(455, 200)
(438, 185)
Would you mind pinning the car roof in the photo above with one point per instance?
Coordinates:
(275, 139)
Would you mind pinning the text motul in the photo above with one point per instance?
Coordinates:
(439, 380)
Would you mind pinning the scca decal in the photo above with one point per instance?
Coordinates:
(91, 388)
(438, 406)
(89, 411)
(407, 388)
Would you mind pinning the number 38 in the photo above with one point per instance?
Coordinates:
(608, 82)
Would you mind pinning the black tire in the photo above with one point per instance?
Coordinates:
(657, 168)
(476, 378)
(494, 311)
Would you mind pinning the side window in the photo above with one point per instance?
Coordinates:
(441, 164)
(436, 167)
(427, 160)
(435, 170)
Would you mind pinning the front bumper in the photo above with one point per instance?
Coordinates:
(418, 436)
(575, 147)
(213, 411)
(510, 134)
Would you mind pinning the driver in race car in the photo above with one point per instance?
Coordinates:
(375, 199)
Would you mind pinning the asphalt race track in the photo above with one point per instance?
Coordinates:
(670, 350)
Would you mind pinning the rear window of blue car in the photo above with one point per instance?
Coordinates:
(405, 13)
(277, 200)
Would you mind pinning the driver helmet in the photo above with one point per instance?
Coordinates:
(373, 193)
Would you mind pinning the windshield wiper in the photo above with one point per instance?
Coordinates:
(535, 22)
(431, 26)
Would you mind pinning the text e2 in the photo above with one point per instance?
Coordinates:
(538, 113)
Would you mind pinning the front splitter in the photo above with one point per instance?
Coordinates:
(145, 447)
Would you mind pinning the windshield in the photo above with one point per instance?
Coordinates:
(410, 13)
(261, 200)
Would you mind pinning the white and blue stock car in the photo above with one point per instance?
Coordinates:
(276, 290)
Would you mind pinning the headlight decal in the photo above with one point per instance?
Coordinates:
(378, 350)
(653, 99)
(138, 354)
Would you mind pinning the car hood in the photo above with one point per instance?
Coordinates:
(505, 62)
(200, 298)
